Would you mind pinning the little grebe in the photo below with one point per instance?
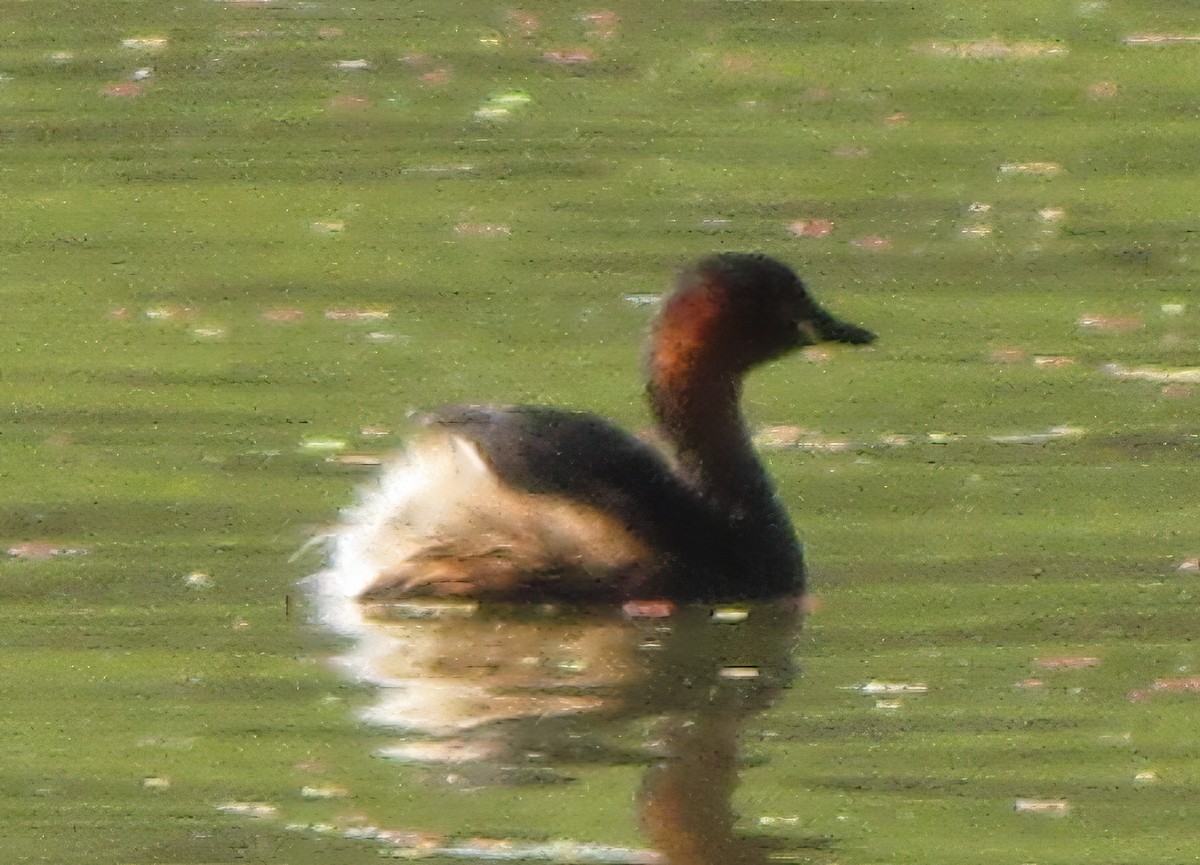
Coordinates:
(531, 502)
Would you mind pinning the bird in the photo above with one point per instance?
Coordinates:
(537, 503)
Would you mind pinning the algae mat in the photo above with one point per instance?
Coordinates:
(242, 242)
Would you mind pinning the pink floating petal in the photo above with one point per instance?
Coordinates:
(568, 58)
(872, 242)
(649, 609)
(1006, 355)
(811, 227)
(1110, 323)
(281, 314)
(1067, 662)
(123, 90)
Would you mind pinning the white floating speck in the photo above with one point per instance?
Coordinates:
(156, 783)
(641, 299)
(1052, 434)
(1035, 169)
(355, 459)
(1173, 308)
(729, 615)
(248, 809)
(328, 227)
(357, 314)
(941, 438)
(1145, 777)
(876, 687)
(978, 207)
(778, 821)
(141, 74)
(198, 580)
(322, 445)
(324, 792)
(888, 705)
(1051, 214)
(352, 64)
(208, 332)
(1161, 38)
(1187, 375)
(976, 231)
(1054, 807)
(147, 43)
(738, 673)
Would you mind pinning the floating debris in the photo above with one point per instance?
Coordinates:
(641, 299)
(941, 438)
(248, 809)
(976, 231)
(1162, 39)
(993, 49)
(1029, 684)
(814, 228)
(352, 65)
(60, 57)
(482, 229)
(1035, 169)
(145, 43)
(887, 705)
(198, 580)
(601, 25)
(343, 314)
(374, 431)
(1052, 434)
(208, 332)
(738, 672)
(728, 615)
(1109, 323)
(323, 445)
(875, 687)
(1067, 662)
(1173, 308)
(36, 550)
(715, 224)
(356, 459)
(156, 783)
(652, 609)
(169, 313)
(1051, 214)
(569, 58)
(282, 315)
(1053, 360)
(328, 227)
(443, 751)
(141, 74)
(1191, 565)
(872, 243)
(1053, 807)
(324, 792)
(123, 90)
(792, 436)
(500, 105)
(1186, 375)
(438, 169)
(1147, 777)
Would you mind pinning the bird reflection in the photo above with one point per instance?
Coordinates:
(517, 694)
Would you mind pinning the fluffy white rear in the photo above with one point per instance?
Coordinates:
(438, 501)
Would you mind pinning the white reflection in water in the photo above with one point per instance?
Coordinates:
(519, 694)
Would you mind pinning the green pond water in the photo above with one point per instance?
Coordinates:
(243, 242)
